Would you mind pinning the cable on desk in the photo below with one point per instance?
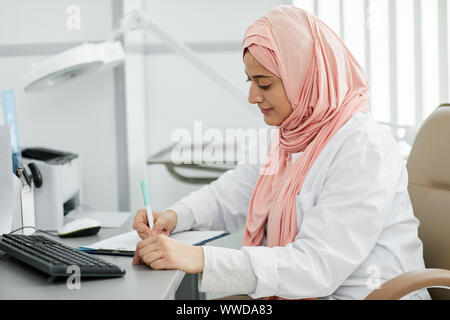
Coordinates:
(37, 229)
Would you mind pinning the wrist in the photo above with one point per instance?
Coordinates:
(201, 259)
(197, 260)
(172, 216)
(184, 215)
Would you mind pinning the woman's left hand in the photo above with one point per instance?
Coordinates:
(161, 252)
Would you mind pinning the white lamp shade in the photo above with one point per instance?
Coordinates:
(72, 63)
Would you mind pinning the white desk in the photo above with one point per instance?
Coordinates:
(20, 281)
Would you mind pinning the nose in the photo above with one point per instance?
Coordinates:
(254, 94)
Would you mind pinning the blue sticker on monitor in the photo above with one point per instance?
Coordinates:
(9, 112)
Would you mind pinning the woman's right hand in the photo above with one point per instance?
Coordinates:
(163, 222)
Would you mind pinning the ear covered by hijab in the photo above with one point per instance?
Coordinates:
(325, 86)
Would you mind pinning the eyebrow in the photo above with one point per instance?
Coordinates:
(259, 76)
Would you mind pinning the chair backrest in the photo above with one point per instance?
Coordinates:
(429, 188)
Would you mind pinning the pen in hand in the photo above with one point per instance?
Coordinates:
(144, 188)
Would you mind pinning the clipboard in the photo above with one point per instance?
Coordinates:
(125, 244)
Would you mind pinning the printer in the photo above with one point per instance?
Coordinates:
(59, 189)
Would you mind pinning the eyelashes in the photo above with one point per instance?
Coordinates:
(261, 87)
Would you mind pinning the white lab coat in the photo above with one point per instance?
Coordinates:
(356, 227)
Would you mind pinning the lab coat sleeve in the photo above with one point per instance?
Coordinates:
(226, 271)
(220, 205)
(338, 231)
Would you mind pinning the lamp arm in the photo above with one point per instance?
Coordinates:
(139, 20)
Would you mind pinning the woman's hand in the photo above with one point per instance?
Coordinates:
(161, 252)
(163, 222)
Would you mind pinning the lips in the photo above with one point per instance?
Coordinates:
(266, 111)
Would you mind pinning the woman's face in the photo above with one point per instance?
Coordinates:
(267, 91)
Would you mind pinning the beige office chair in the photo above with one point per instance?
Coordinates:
(429, 188)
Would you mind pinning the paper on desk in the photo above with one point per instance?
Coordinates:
(107, 219)
(128, 241)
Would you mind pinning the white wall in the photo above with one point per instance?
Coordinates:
(78, 117)
(176, 94)
(44, 21)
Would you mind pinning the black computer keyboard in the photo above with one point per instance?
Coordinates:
(55, 258)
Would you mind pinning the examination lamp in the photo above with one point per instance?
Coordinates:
(91, 57)
(72, 63)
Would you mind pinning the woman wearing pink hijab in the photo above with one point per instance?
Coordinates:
(328, 215)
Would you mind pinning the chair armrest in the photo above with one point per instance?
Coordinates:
(404, 284)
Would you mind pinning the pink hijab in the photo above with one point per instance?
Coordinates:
(325, 86)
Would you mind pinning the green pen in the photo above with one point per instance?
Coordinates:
(144, 188)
